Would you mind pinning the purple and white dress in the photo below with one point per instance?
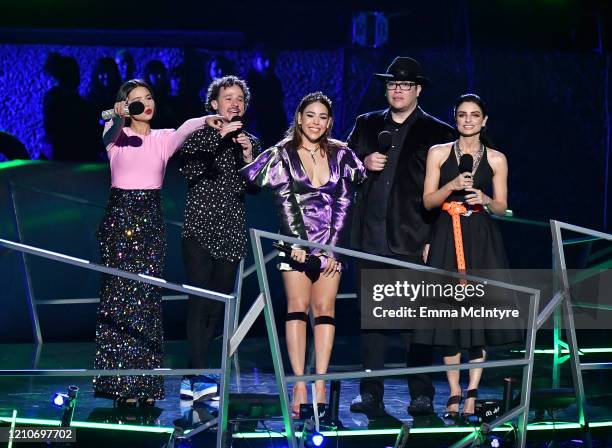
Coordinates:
(319, 215)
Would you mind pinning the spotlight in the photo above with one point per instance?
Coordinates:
(318, 439)
(59, 400)
(310, 436)
(495, 442)
(67, 402)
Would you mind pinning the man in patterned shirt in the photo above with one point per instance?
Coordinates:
(214, 231)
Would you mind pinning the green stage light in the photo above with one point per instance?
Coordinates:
(437, 430)
(343, 433)
(88, 167)
(15, 163)
(92, 425)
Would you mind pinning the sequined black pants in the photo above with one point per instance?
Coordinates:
(129, 333)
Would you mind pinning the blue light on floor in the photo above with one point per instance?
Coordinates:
(318, 439)
(59, 400)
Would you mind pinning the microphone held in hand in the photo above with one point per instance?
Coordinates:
(235, 133)
(312, 264)
(466, 164)
(135, 108)
(384, 142)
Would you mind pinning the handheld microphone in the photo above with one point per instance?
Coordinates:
(313, 263)
(384, 142)
(466, 164)
(235, 133)
(135, 108)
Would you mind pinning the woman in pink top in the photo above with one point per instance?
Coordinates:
(132, 238)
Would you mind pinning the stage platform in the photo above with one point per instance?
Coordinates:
(99, 424)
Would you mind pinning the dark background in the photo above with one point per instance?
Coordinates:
(541, 66)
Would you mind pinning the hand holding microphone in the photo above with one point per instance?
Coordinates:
(232, 128)
(122, 109)
(233, 131)
(312, 261)
(377, 160)
(464, 179)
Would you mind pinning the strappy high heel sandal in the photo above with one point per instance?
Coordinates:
(452, 415)
(321, 397)
(470, 417)
(321, 394)
(300, 396)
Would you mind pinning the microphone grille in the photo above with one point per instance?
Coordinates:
(136, 108)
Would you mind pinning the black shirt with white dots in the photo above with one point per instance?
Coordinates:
(215, 211)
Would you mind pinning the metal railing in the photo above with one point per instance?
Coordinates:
(228, 330)
(33, 303)
(264, 304)
(561, 308)
(235, 330)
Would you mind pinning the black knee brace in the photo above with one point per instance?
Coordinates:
(325, 320)
(297, 315)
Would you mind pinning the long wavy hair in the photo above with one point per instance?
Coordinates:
(293, 136)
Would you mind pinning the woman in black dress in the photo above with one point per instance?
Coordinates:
(468, 195)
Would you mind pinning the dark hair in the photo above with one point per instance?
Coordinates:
(105, 65)
(224, 64)
(65, 70)
(127, 87)
(125, 54)
(130, 85)
(265, 52)
(473, 98)
(155, 66)
(293, 136)
(227, 81)
(126, 57)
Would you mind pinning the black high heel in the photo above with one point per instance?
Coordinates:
(452, 400)
(470, 417)
(146, 402)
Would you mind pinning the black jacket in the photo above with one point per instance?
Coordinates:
(408, 223)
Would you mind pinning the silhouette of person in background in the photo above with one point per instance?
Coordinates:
(105, 82)
(11, 148)
(267, 117)
(184, 87)
(156, 74)
(217, 67)
(125, 64)
(70, 123)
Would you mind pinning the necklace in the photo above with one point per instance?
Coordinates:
(312, 153)
(477, 156)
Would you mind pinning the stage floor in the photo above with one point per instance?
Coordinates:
(31, 396)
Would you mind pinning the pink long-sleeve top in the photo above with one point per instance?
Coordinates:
(138, 162)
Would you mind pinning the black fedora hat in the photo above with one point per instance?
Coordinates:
(404, 68)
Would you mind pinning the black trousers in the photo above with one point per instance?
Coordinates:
(374, 344)
(204, 315)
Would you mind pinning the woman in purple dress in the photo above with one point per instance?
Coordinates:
(312, 177)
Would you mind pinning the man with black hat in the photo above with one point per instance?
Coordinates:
(389, 217)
